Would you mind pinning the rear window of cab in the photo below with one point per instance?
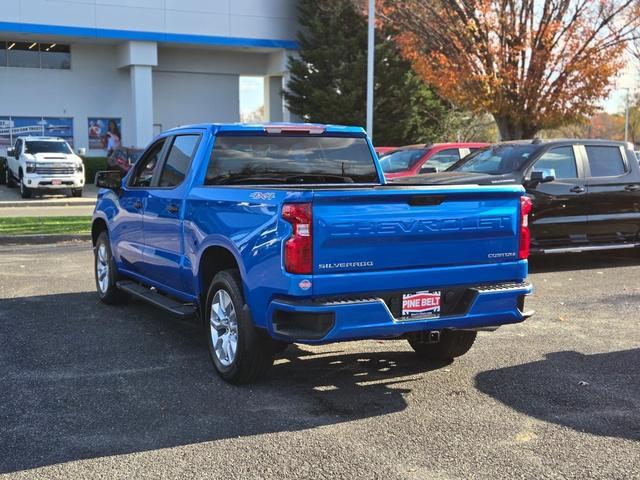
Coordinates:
(290, 159)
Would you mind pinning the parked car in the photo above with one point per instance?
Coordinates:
(122, 158)
(44, 164)
(416, 159)
(585, 193)
(384, 150)
(287, 233)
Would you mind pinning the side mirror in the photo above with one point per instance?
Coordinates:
(82, 151)
(111, 179)
(11, 152)
(429, 170)
(544, 175)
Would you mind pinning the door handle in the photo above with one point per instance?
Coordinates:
(137, 204)
(578, 189)
(632, 188)
(173, 208)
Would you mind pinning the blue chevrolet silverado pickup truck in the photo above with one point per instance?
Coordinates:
(280, 233)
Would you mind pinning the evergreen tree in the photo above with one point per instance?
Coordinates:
(328, 78)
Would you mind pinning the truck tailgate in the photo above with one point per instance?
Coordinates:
(401, 228)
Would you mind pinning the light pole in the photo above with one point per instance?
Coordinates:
(370, 63)
(626, 117)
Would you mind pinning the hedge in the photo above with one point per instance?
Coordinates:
(91, 166)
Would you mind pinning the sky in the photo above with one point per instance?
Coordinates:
(252, 90)
(630, 79)
(251, 94)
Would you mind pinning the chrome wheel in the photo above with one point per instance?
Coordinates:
(224, 328)
(102, 268)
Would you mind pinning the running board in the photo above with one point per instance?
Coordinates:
(174, 307)
(587, 248)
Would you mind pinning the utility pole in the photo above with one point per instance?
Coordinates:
(370, 63)
(626, 118)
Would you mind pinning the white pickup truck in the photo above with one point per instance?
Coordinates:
(44, 164)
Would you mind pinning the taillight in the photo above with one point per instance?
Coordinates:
(525, 235)
(298, 249)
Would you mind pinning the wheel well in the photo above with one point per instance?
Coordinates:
(214, 260)
(98, 226)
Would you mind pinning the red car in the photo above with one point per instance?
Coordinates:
(416, 159)
(122, 158)
(384, 150)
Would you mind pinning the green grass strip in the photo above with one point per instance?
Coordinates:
(44, 225)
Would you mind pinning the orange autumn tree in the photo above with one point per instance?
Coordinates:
(532, 64)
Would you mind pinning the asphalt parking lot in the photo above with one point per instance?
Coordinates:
(90, 391)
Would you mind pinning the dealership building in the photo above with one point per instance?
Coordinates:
(80, 68)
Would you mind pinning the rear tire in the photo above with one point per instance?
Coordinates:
(106, 274)
(76, 192)
(9, 178)
(240, 352)
(25, 192)
(453, 343)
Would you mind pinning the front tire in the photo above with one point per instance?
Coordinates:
(239, 351)
(453, 343)
(25, 192)
(76, 192)
(106, 273)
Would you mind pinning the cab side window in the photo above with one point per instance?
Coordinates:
(178, 160)
(18, 147)
(561, 159)
(605, 161)
(146, 167)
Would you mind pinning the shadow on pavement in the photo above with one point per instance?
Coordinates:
(559, 262)
(83, 380)
(554, 390)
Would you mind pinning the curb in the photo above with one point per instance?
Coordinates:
(49, 203)
(42, 239)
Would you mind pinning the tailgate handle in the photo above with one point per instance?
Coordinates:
(426, 200)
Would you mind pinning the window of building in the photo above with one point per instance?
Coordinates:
(605, 161)
(55, 56)
(561, 160)
(34, 55)
(3, 53)
(24, 54)
(178, 160)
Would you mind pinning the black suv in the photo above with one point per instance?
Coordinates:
(585, 193)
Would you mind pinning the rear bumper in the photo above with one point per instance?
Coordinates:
(318, 322)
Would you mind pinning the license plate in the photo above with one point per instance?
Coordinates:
(56, 182)
(423, 303)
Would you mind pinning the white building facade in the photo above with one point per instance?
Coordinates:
(81, 68)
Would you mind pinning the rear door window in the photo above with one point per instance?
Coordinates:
(290, 159)
(605, 161)
(443, 159)
(178, 160)
(560, 159)
(401, 160)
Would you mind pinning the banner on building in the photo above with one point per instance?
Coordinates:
(13, 127)
(104, 133)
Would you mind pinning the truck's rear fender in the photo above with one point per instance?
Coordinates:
(247, 223)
